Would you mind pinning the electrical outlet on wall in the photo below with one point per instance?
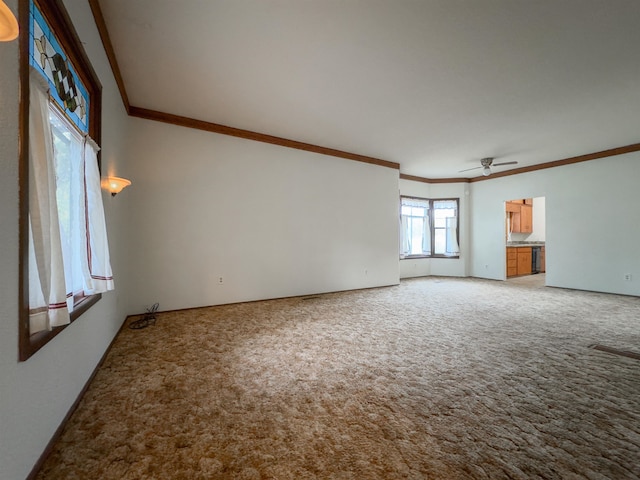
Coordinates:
(627, 277)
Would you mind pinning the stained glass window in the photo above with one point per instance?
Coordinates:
(47, 56)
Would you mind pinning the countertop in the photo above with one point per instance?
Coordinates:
(525, 244)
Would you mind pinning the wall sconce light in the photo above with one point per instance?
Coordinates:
(8, 24)
(114, 184)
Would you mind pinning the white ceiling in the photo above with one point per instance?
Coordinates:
(434, 85)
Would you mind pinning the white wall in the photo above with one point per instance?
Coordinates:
(539, 233)
(592, 223)
(271, 221)
(453, 267)
(35, 395)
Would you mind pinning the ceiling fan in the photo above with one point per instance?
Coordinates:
(486, 164)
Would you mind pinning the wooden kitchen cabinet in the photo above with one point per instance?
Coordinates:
(515, 222)
(513, 207)
(521, 215)
(524, 260)
(512, 262)
(518, 261)
(526, 219)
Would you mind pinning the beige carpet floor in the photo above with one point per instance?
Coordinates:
(436, 378)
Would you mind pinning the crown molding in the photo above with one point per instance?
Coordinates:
(255, 136)
(261, 137)
(612, 152)
(208, 126)
(414, 178)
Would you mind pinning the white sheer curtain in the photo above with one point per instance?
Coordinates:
(426, 234)
(446, 223)
(47, 290)
(68, 246)
(405, 241)
(98, 274)
(452, 236)
(415, 230)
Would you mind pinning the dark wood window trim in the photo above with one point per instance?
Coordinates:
(433, 230)
(431, 227)
(59, 21)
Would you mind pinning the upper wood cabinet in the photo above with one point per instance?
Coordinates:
(521, 212)
(526, 219)
(513, 207)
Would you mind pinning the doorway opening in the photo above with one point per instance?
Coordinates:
(525, 238)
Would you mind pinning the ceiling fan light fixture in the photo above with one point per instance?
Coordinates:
(486, 164)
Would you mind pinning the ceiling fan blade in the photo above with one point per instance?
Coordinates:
(503, 163)
(466, 170)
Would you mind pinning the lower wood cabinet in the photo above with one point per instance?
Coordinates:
(512, 262)
(524, 260)
(518, 261)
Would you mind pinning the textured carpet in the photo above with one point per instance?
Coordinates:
(433, 379)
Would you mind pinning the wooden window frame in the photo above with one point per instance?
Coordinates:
(432, 228)
(428, 216)
(60, 23)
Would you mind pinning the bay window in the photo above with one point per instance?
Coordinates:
(428, 227)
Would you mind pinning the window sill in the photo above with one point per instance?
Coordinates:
(84, 304)
(30, 344)
(413, 257)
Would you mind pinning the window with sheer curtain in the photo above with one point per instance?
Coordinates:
(428, 227)
(65, 248)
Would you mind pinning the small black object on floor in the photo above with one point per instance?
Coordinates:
(149, 318)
